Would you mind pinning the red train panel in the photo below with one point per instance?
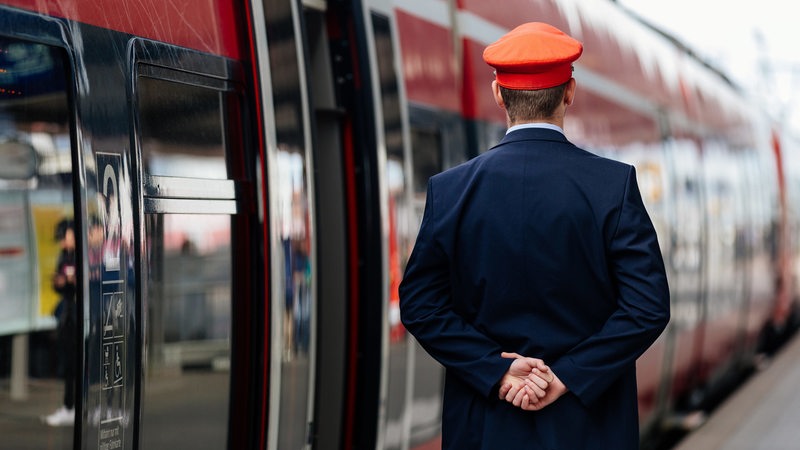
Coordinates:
(428, 63)
(205, 25)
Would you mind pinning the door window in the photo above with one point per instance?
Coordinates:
(38, 259)
(188, 260)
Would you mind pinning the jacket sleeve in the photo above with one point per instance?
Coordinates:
(426, 310)
(642, 313)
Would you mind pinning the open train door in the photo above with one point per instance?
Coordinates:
(366, 223)
(341, 364)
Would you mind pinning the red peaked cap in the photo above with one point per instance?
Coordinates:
(533, 56)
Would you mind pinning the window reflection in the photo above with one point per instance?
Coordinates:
(38, 271)
(293, 216)
(426, 147)
(181, 129)
(189, 326)
(295, 308)
(685, 261)
(292, 271)
(427, 160)
(724, 215)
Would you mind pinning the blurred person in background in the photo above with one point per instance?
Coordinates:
(64, 283)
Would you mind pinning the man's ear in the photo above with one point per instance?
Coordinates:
(498, 97)
(569, 92)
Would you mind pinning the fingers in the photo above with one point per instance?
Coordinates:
(533, 406)
(515, 394)
(534, 391)
(538, 380)
(537, 363)
(546, 375)
(521, 398)
(511, 392)
(504, 389)
(528, 384)
(533, 403)
(532, 362)
(528, 405)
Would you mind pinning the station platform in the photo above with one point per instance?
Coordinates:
(761, 415)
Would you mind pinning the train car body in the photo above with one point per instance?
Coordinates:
(246, 178)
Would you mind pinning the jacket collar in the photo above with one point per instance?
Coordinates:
(533, 134)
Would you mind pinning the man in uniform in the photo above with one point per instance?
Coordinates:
(539, 248)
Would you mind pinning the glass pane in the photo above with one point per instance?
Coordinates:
(296, 302)
(181, 129)
(725, 281)
(38, 271)
(399, 236)
(426, 147)
(188, 311)
(293, 301)
(685, 259)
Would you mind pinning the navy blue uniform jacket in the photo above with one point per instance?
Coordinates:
(544, 249)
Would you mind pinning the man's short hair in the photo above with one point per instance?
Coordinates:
(527, 105)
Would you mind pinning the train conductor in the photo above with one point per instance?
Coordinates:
(545, 251)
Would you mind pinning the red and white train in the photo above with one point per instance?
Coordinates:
(246, 179)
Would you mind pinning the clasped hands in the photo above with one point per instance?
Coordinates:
(529, 383)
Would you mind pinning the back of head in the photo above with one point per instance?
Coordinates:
(529, 105)
(533, 64)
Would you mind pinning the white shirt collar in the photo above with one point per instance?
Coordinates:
(548, 126)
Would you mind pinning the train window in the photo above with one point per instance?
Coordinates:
(426, 147)
(181, 129)
(724, 261)
(183, 123)
(438, 142)
(293, 270)
(399, 209)
(485, 136)
(189, 329)
(39, 266)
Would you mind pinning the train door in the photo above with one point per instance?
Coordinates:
(404, 397)
(40, 243)
(760, 192)
(363, 216)
(366, 221)
(686, 261)
(726, 278)
(196, 256)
